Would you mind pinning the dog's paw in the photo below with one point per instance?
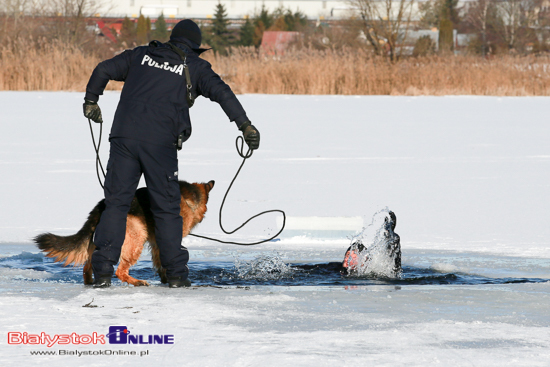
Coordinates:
(140, 283)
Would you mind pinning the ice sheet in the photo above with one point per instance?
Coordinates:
(468, 178)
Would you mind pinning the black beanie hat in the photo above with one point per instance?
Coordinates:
(189, 30)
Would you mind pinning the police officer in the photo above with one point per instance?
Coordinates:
(161, 82)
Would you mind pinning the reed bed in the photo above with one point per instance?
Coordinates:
(356, 72)
(38, 64)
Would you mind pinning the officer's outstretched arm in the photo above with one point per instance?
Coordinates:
(112, 69)
(213, 87)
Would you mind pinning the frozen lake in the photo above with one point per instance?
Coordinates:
(468, 178)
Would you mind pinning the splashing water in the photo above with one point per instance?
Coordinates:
(263, 267)
(378, 248)
(377, 254)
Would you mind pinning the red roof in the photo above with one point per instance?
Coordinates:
(276, 42)
(107, 29)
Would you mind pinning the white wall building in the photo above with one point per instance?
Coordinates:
(236, 9)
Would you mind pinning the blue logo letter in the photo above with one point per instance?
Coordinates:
(118, 335)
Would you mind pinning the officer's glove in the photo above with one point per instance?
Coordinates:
(92, 111)
(251, 135)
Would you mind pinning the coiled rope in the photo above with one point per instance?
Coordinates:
(239, 144)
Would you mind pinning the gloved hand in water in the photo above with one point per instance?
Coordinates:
(92, 111)
(251, 135)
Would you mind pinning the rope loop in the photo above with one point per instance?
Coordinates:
(98, 164)
(240, 148)
(239, 144)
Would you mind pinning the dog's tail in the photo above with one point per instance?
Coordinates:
(72, 249)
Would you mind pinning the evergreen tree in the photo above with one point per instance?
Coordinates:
(279, 25)
(141, 31)
(449, 10)
(294, 21)
(219, 24)
(445, 35)
(128, 32)
(424, 46)
(258, 33)
(161, 30)
(148, 22)
(264, 17)
(217, 35)
(247, 33)
(447, 18)
(279, 20)
(262, 22)
(432, 11)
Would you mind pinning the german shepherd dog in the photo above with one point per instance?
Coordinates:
(140, 228)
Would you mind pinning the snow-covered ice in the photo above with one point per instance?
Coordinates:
(468, 178)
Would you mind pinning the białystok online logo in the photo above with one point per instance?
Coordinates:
(116, 335)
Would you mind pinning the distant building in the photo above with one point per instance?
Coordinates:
(275, 42)
(236, 9)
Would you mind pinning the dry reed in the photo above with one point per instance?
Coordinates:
(27, 64)
(355, 72)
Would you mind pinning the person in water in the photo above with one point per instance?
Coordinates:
(356, 255)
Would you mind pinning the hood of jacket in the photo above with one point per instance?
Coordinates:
(183, 43)
(161, 52)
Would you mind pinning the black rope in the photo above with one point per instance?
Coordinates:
(96, 148)
(240, 150)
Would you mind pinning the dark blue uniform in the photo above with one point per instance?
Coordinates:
(153, 111)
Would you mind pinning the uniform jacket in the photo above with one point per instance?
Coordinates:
(153, 106)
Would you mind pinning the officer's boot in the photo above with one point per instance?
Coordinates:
(102, 281)
(177, 282)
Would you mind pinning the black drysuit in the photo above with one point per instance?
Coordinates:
(152, 113)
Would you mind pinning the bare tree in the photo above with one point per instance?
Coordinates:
(70, 18)
(13, 10)
(16, 16)
(512, 24)
(510, 14)
(479, 15)
(515, 16)
(541, 24)
(65, 20)
(385, 23)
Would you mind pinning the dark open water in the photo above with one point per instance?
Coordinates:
(265, 270)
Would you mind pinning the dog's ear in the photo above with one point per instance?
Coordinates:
(208, 186)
